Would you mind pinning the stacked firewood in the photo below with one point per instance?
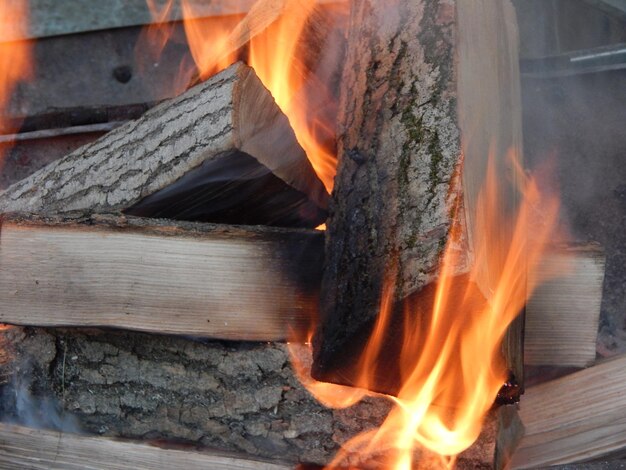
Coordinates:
(197, 219)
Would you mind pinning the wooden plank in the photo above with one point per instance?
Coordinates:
(159, 276)
(490, 120)
(578, 417)
(230, 115)
(562, 314)
(38, 449)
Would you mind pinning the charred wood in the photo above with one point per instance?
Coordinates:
(419, 89)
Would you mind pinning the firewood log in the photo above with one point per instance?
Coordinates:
(38, 449)
(229, 282)
(422, 85)
(221, 138)
(562, 314)
(576, 418)
(237, 397)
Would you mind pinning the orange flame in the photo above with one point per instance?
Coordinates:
(15, 66)
(450, 357)
(15, 61)
(271, 34)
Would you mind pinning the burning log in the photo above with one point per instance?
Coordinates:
(589, 424)
(227, 396)
(562, 314)
(22, 447)
(163, 276)
(406, 102)
(221, 152)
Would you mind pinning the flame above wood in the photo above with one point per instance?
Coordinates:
(15, 61)
(280, 37)
(446, 341)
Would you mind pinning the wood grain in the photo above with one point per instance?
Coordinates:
(578, 417)
(562, 314)
(38, 449)
(198, 279)
(490, 120)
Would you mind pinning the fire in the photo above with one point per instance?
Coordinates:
(450, 361)
(270, 35)
(451, 367)
(15, 61)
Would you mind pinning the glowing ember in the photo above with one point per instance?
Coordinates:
(451, 367)
(15, 60)
(272, 32)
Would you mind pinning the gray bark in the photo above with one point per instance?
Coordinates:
(423, 85)
(241, 397)
(229, 113)
(399, 146)
(230, 396)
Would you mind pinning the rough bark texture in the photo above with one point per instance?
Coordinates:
(399, 146)
(230, 396)
(231, 112)
(400, 188)
(239, 397)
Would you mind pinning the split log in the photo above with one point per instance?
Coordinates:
(159, 275)
(185, 159)
(418, 76)
(22, 447)
(576, 418)
(562, 314)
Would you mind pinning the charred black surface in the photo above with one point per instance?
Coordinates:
(412, 318)
(233, 188)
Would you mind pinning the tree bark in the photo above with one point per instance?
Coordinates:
(231, 116)
(413, 77)
(228, 396)
(241, 397)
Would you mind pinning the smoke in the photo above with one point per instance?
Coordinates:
(20, 405)
(35, 412)
(573, 62)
